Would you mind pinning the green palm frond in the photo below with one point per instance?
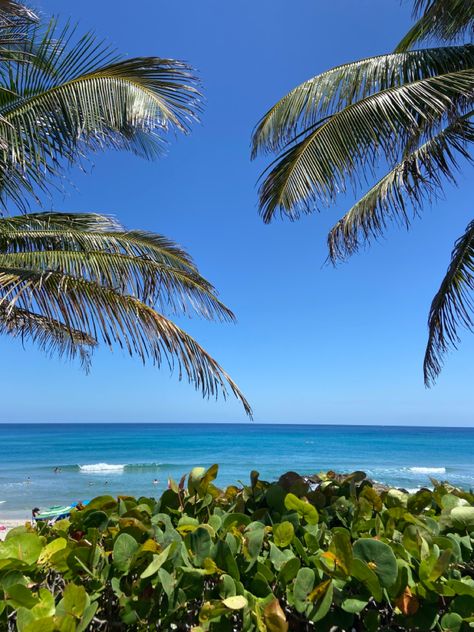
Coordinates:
(16, 21)
(119, 320)
(320, 166)
(67, 281)
(50, 336)
(329, 92)
(442, 20)
(77, 96)
(452, 306)
(416, 180)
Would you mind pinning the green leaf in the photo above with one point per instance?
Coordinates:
(463, 518)
(125, 546)
(369, 579)
(156, 563)
(303, 508)
(304, 583)
(237, 602)
(283, 534)
(451, 622)
(74, 601)
(25, 547)
(379, 557)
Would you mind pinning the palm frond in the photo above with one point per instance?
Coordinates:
(78, 96)
(346, 84)
(87, 232)
(442, 20)
(321, 165)
(16, 20)
(50, 336)
(117, 319)
(144, 265)
(175, 290)
(415, 180)
(452, 306)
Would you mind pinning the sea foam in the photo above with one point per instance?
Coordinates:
(427, 470)
(102, 467)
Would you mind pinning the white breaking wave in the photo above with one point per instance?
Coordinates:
(427, 470)
(102, 467)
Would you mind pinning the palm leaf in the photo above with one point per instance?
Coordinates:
(452, 306)
(87, 232)
(144, 265)
(343, 85)
(50, 336)
(173, 289)
(414, 181)
(445, 20)
(118, 319)
(79, 96)
(320, 166)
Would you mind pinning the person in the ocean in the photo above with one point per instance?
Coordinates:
(156, 481)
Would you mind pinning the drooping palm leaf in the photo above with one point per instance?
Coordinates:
(321, 165)
(344, 85)
(67, 281)
(78, 96)
(49, 335)
(442, 20)
(452, 306)
(117, 319)
(403, 191)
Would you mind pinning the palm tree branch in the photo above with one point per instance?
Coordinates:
(445, 20)
(417, 178)
(51, 336)
(452, 306)
(16, 236)
(343, 85)
(319, 166)
(118, 319)
(152, 282)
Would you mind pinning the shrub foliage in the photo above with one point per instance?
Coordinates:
(329, 552)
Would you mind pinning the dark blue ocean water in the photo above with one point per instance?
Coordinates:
(127, 458)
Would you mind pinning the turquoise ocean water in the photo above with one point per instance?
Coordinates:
(127, 458)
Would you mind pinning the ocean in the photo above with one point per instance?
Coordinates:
(93, 459)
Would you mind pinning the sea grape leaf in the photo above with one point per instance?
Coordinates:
(451, 622)
(50, 549)
(236, 602)
(20, 596)
(125, 546)
(302, 507)
(25, 547)
(74, 601)
(200, 545)
(274, 617)
(463, 518)
(156, 563)
(303, 585)
(289, 570)
(324, 602)
(253, 542)
(369, 579)
(379, 557)
(354, 605)
(283, 534)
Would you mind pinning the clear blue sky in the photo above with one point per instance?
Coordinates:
(312, 343)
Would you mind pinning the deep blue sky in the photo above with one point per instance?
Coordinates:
(312, 343)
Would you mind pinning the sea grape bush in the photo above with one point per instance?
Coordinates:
(329, 552)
